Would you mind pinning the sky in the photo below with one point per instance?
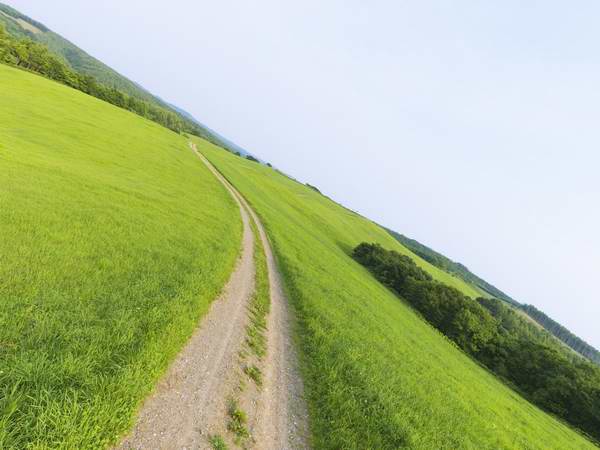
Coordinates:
(473, 127)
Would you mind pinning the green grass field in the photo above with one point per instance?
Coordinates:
(114, 240)
(377, 376)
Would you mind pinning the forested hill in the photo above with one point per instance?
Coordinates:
(562, 333)
(445, 263)
(553, 327)
(20, 26)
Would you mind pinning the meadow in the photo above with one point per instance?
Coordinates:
(377, 375)
(115, 238)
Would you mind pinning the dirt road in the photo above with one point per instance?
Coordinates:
(191, 399)
(283, 418)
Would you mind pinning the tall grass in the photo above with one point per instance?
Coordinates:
(114, 238)
(377, 376)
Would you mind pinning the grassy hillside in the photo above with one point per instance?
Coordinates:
(377, 376)
(112, 248)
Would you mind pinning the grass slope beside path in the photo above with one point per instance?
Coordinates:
(377, 376)
(114, 240)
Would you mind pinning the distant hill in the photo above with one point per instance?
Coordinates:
(21, 26)
(458, 269)
(233, 147)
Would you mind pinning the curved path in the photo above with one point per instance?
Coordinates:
(283, 419)
(191, 398)
(193, 391)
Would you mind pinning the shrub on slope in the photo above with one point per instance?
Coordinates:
(553, 327)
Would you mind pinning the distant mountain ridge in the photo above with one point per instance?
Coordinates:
(21, 26)
(443, 262)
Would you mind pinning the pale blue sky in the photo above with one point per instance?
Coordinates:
(470, 126)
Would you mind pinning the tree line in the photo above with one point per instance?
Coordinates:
(525, 357)
(37, 58)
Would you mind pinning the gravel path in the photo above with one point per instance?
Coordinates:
(282, 415)
(190, 401)
(283, 418)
